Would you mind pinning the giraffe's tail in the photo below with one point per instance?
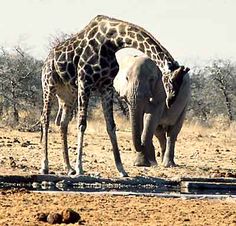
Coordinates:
(41, 133)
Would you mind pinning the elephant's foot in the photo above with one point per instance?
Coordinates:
(168, 163)
(141, 160)
(153, 162)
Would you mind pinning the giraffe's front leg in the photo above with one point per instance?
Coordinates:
(107, 104)
(81, 130)
(83, 99)
(65, 119)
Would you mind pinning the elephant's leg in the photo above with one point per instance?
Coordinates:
(161, 136)
(168, 159)
(149, 150)
(151, 120)
(136, 119)
(141, 159)
(141, 156)
(151, 154)
(172, 133)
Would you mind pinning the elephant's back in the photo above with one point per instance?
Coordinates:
(145, 65)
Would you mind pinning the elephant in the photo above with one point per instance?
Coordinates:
(144, 92)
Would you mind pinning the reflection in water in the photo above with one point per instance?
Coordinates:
(132, 186)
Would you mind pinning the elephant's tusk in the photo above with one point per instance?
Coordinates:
(151, 100)
(167, 103)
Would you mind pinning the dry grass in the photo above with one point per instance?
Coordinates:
(218, 125)
(201, 151)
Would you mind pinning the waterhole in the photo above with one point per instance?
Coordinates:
(183, 187)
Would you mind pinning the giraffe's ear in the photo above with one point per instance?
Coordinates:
(186, 70)
(166, 66)
(177, 73)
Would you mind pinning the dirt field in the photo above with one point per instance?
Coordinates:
(200, 152)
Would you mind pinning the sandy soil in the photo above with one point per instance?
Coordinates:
(200, 152)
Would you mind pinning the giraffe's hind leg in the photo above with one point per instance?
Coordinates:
(47, 99)
(66, 116)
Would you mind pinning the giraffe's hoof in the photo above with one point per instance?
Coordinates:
(71, 172)
(79, 172)
(43, 171)
(124, 174)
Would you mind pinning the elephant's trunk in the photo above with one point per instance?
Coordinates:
(136, 119)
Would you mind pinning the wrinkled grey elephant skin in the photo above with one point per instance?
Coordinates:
(149, 115)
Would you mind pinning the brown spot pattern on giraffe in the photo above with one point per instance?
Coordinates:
(88, 61)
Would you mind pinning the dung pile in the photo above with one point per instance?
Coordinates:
(67, 216)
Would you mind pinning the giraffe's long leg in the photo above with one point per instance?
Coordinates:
(47, 99)
(65, 119)
(83, 100)
(107, 105)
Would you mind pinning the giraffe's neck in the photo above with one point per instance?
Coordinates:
(119, 34)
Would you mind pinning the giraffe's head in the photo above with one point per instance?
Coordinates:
(172, 80)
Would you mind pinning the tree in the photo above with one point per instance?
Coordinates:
(199, 106)
(214, 90)
(20, 84)
(55, 39)
(222, 74)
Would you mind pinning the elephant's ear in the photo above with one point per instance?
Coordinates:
(155, 81)
(120, 83)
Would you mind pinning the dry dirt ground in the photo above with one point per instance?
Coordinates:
(200, 152)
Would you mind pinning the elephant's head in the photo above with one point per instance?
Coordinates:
(172, 81)
(142, 79)
(141, 88)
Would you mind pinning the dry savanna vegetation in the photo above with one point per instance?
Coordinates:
(201, 152)
(205, 148)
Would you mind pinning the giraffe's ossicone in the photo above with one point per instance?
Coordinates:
(87, 62)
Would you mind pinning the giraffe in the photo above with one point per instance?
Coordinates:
(87, 62)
